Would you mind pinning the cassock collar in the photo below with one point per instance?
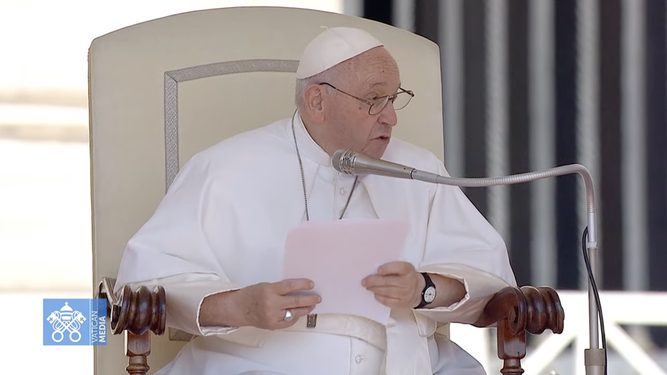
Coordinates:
(307, 146)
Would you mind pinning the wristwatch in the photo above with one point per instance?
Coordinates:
(428, 294)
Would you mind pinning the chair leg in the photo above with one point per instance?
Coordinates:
(511, 348)
(137, 349)
(511, 366)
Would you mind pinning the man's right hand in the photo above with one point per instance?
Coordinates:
(261, 305)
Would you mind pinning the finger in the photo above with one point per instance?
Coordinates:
(297, 314)
(377, 281)
(301, 312)
(389, 292)
(290, 285)
(299, 300)
(396, 268)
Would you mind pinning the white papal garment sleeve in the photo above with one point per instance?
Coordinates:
(185, 294)
(463, 245)
(171, 249)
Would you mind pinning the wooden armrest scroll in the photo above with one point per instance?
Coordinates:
(517, 311)
(137, 314)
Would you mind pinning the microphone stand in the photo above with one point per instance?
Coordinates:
(351, 162)
(594, 357)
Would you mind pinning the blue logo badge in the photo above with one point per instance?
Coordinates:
(75, 321)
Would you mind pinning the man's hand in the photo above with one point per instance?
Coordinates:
(261, 305)
(399, 285)
(396, 285)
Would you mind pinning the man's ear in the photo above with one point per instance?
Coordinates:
(314, 102)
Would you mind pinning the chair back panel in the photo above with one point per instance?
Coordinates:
(162, 90)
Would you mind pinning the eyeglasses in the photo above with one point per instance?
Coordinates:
(399, 100)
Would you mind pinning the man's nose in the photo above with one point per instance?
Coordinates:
(388, 115)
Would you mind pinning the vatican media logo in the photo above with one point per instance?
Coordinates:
(75, 321)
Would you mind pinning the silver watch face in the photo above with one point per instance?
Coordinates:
(429, 294)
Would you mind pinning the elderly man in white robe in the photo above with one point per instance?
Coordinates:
(216, 244)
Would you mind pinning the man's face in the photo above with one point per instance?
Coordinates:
(370, 75)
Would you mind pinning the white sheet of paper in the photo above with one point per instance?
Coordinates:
(337, 255)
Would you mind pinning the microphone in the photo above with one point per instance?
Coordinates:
(355, 163)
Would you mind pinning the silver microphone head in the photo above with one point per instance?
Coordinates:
(343, 161)
(357, 163)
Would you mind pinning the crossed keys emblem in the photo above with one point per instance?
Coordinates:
(66, 320)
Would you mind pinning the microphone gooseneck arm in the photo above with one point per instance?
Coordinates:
(594, 357)
(354, 163)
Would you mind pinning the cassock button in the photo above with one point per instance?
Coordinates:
(358, 359)
(342, 191)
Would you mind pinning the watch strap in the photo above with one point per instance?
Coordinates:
(428, 283)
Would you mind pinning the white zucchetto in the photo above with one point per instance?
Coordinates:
(332, 47)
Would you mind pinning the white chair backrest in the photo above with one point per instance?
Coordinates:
(163, 90)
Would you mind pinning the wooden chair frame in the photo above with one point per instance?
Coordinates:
(516, 311)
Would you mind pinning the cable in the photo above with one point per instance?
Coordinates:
(591, 278)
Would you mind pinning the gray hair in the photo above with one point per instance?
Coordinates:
(329, 76)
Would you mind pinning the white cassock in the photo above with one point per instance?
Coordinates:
(223, 224)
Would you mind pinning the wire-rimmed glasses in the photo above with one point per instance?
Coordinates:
(399, 100)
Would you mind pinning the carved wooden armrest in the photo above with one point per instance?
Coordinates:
(517, 311)
(137, 314)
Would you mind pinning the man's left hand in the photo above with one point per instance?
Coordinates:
(396, 285)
